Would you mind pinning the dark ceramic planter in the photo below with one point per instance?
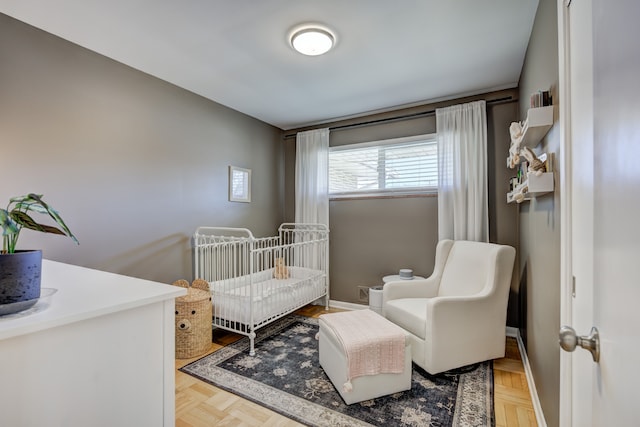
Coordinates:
(20, 280)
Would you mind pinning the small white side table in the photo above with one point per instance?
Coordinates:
(375, 299)
(396, 277)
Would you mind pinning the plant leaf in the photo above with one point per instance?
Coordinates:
(31, 197)
(51, 229)
(33, 202)
(8, 225)
(26, 221)
(34, 207)
(55, 215)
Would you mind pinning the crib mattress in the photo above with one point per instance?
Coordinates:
(232, 298)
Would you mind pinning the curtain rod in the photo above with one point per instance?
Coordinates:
(398, 118)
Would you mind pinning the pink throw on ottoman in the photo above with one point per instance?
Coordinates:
(370, 346)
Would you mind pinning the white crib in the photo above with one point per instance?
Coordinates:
(254, 281)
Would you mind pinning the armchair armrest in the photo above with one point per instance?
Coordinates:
(417, 288)
(482, 306)
(420, 288)
(478, 318)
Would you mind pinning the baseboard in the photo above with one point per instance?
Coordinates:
(537, 408)
(346, 305)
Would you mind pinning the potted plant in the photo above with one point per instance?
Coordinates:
(20, 269)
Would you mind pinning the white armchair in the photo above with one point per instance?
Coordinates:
(457, 316)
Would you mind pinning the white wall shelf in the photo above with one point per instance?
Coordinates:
(537, 186)
(539, 121)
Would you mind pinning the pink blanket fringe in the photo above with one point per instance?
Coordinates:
(372, 344)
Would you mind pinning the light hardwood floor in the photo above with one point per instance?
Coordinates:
(200, 404)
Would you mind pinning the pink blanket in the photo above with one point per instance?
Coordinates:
(372, 344)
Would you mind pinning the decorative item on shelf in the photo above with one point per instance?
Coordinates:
(536, 166)
(20, 270)
(520, 195)
(534, 174)
(541, 98)
(528, 133)
(514, 149)
(522, 172)
(534, 182)
(513, 183)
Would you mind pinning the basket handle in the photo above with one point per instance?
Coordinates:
(200, 284)
(182, 283)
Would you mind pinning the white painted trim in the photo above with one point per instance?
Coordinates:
(346, 305)
(565, 185)
(535, 401)
(512, 332)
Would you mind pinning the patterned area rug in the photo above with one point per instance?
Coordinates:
(286, 377)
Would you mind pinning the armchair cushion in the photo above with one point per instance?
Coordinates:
(409, 313)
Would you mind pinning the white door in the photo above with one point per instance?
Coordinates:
(579, 168)
(600, 74)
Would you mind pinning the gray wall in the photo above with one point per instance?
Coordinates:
(133, 163)
(503, 224)
(540, 224)
(373, 237)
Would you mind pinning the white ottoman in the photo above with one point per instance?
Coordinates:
(334, 362)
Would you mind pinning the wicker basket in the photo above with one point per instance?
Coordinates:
(193, 320)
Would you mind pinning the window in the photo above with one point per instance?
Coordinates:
(395, 167)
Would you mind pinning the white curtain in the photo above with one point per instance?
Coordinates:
(462, 172)
(312, 177)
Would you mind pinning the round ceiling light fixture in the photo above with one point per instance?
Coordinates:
(312, 39)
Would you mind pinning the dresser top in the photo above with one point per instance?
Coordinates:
(82, 293)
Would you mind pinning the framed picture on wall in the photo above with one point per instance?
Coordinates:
(239, 184)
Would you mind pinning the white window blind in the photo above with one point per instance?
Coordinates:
(405, 165)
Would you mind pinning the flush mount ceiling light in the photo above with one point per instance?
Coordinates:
(312, 39)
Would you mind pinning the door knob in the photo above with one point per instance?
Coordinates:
(569, 341)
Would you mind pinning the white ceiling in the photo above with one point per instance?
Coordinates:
(236, 52)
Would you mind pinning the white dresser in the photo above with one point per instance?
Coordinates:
(99, 352)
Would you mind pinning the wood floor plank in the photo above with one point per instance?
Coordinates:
(511, 365)
(512, 415)
(524, 416)
(501, 415)
(516, 380)
(504, 378)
